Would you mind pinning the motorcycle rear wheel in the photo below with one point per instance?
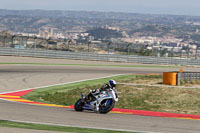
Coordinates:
(79, 105)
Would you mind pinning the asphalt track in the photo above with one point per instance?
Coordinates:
(18, 77)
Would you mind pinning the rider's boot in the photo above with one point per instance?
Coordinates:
(82, 96)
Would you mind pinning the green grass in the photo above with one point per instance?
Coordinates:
(139, 97)
(145, 66)
(5, 123)
(159, 98)
(69, 93)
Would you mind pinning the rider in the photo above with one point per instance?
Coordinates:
(110, 85)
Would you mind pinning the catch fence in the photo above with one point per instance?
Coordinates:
(98, 57)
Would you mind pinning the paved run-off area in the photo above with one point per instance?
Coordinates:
(17, 77)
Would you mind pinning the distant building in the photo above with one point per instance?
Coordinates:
(46, 32)
(171, 44)
(112, 28)
(51, 32)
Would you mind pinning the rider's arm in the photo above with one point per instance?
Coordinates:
(105, 87)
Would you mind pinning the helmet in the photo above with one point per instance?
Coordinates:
(112, 83)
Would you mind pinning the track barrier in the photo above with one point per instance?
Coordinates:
(174, 78)
(98, 57)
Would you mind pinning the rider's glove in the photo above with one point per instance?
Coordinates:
(94, 91)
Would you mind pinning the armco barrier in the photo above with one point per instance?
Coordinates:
(174, 78)
(97, 57)
(189, 76)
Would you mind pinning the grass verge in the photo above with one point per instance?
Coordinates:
(140, 92)
(5, 123)
(71, 92)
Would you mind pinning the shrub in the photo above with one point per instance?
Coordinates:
(193, 82)
(198, 82)
(182, 82)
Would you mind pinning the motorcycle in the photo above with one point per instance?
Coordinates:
(102, 102)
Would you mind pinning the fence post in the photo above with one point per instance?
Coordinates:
(178, 78)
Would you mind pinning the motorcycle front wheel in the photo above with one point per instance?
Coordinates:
(106, 106)
(79, 105)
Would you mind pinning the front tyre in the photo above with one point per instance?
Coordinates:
(106, 106)
(79, 105)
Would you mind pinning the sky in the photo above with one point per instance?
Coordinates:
(177, 7)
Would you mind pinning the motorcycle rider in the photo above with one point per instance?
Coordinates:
(110, 85)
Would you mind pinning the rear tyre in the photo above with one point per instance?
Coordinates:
(105, 108)
(79, 105)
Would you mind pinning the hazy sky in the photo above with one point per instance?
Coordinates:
(181, 7)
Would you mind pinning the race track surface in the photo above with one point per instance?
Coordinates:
(18, 77)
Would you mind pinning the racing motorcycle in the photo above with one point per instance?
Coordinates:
(102, 102)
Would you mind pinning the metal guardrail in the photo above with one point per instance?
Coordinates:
(189, 76)
(97, 57)
(175, 78)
